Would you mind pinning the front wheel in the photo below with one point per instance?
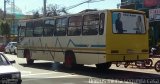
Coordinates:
(30, 61)
(157, 66)
(104, 66)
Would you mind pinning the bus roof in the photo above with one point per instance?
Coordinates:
(127, 10)
(86, 12)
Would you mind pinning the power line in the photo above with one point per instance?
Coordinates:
(88, 1)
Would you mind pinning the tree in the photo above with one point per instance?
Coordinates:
(1, 14)
(5, 30)
(55, 10)
(36, 15)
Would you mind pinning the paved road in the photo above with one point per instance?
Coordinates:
(46, 72)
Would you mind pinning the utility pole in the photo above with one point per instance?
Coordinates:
(4, 14)
(13, 16)
(44, 10)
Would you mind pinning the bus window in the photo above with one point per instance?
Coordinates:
(101, 28)
(91, 24)
(49, 27)
(29, 29)
(128, 23)
(61, 25)
(38, 28)
(21, 30)
(75, 25)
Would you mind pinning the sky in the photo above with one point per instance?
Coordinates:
(27, 6)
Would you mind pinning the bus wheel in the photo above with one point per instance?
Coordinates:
(148, 63)
(28, 57)
(30, 61)
(70, 60)
(104, 66)
(157, 66)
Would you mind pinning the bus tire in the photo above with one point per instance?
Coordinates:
(103, 66)
(29, 62)
(28, 57)
(70, 60)
(157, 66)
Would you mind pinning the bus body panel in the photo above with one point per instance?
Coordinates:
(53, 48)
(126, 47)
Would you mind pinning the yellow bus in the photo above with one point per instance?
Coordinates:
(92, 37)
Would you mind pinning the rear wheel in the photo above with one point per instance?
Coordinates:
(157, 66)
(104, 66)
(70, 60)
(28, 57)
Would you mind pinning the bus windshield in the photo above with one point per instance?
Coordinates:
(128, 23)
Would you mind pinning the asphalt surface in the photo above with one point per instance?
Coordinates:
(47, 72)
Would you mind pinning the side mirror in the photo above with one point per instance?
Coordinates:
(12, 62)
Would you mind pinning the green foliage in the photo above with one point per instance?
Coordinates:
(5, 28)
(36, 15)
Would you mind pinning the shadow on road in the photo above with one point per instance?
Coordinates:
(92, 71)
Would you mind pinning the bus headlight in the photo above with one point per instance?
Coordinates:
(16, 75)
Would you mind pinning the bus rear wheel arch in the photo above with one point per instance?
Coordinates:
(27, 55)
(69, 59)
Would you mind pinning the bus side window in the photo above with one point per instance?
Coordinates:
(102, 19)
(21, 31)
(75, 25)
(61, 25)
(29, 29)
(38, 28)
(49, 27)
(91, 24)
